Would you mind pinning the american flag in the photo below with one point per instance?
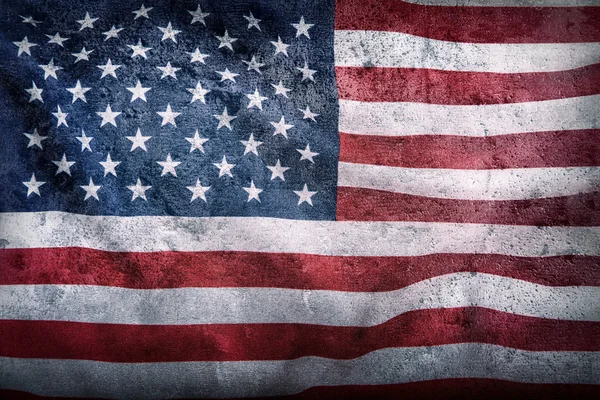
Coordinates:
(308, 199)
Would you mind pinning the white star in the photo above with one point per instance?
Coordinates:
(252, 21)
(138, 92)
(138, 140)
(227, 75)
(57, 39)
(253, 192)
(224, 167)
(256, 99)
(309, 114)
(226, 41)
(168, 70)
(138, 190)
(251, 145)
(82, 55)
(35, 93)
(169, 33)
(109, 165)
(281, 127)
(109, 69)
(198, 93)
(197, 56)
(224, 119)
(139, 49)
(35, 139)
(198, 16)
(61, 116)
(168, 166)
(112, 33)
(24, 46)
(86, 22)
(142, 12)
(277, 170)
(168, 116)
(108, 116)
(198, 191)
(78, 92)
(30, 20)
(91, 190)
(307, 154)
(280, 47)
(197, 142)
(33, 186)
(280, 89)
(253, 64)
(302, 28)
(85, 141)
(305, 195)
(307, 73)
(50, 69)
(64, 165)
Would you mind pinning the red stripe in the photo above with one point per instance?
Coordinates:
(463, 88)
(359, 204)
(238, 342)
(463, 388)
(472, 24)
(524, 150)
(81, 266)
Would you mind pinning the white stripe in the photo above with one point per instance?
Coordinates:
(408, 119)
(183, 306)
(393, 49)
(509, 3)
(469, 184)
(53, 229)
(226, 379)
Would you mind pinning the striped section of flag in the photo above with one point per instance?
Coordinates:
(468, 114)
(464, 261)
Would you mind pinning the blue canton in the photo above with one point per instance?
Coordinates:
(217, 108)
